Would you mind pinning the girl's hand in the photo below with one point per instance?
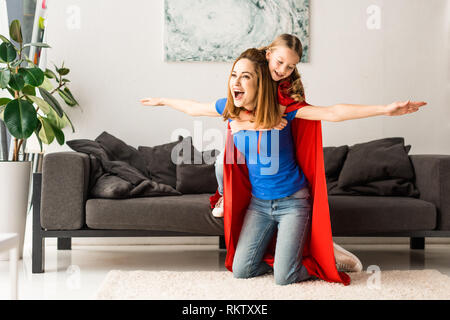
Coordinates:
(152, 102)
(281, 125)
(236, 126)
(401, 108)
(239, 125)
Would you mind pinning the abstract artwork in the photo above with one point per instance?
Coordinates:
(219, 30)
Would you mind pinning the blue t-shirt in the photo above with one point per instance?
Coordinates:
(274, 172)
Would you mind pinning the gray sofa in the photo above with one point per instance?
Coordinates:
(62, 209)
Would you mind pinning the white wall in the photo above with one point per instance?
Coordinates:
(116, 58)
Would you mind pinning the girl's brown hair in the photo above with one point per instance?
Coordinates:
(290, 41)
(266, 112)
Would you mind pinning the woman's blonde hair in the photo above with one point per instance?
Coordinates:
(290, 41)
(267, 111)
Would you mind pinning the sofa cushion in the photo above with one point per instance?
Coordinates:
(185, 213)
(108, 147)
(120, 151)
(353, 215)
(376, 160)
(334, 158)
(161, 166)
(196, 178)
(388, 187)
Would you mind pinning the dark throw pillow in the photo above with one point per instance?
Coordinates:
(161, 166)
(376, 160)
(117, 169)
(198, 178)
(389, 187)
(334, 158)
(118, 150)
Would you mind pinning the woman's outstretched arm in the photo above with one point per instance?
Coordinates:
(342, 112)
(192, 108)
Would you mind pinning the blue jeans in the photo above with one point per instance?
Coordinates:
(292, 217)
(219, 172)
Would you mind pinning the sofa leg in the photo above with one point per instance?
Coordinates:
(38, 242)
(417, 243)
(38, 253)
(222, 242)
(64, 243)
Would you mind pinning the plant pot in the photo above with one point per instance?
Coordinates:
(14, 186)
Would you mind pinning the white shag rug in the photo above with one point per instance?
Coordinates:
(218, 285)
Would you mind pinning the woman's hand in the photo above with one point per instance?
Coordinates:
(152, 102)
(401, 108)
(190, 107)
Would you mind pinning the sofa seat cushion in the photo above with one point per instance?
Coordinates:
(353, 215)
(185, 213)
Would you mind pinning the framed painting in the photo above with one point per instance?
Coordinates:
(205, 30)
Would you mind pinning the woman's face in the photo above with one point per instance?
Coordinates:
(244, 84)
(282, 61)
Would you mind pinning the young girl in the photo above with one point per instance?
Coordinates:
(294, 210)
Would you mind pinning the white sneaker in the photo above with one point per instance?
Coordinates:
(345, 260)
(218, 208)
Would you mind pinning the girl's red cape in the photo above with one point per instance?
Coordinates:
(318, 253)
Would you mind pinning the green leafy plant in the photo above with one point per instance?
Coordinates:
(26, 113)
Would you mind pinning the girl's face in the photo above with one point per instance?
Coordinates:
(282, 61)
(244, 84)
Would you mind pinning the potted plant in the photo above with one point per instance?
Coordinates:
(25, 114)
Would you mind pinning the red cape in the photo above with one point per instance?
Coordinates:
(318, 252)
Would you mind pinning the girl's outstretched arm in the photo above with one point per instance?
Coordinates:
(192, 108)
(349, 111)
(342, 112)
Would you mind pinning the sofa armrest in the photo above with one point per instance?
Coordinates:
(65, 180)
(432, 173)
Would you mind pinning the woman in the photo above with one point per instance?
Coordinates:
(250, 90)
(282, 55)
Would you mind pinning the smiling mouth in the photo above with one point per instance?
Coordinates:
(278, 75)
(238, 94)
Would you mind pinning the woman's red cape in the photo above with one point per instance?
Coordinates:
(318, 252)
